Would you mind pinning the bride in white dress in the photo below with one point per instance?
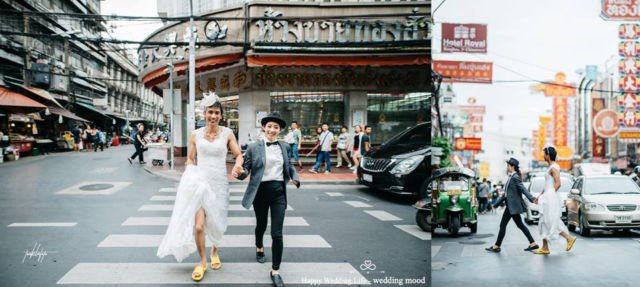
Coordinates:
(550, 204)
(202, 198)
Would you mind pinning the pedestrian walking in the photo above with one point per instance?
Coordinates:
(202, 199)
(316, 146)
(343, 141)
(139, 143)
(366, 140)
(76, 138)
(515, 206)
(324, 155)
(355, 151)
(267, 161)
(297, 143)
(99, 140)
(88, 139)
(550, 203)
(483, 195)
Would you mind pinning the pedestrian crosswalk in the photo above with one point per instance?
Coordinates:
(136, 233)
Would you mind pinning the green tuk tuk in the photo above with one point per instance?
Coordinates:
(453, 202)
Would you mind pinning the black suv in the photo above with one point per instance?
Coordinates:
(400, 165)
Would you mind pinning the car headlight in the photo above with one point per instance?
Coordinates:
(592, 206)
(407, 165)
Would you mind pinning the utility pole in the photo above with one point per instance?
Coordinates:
(192, 74)
(27, 46)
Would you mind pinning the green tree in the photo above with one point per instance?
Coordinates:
(443, 142)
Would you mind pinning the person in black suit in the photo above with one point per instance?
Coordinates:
(514, 189)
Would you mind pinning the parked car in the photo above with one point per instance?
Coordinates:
(536, 186)
(401, 165)
(608, 202)
(590, 168)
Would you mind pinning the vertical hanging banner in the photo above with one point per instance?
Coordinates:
(560, 114)
(628, 107)
(598, 144)
(535, 135)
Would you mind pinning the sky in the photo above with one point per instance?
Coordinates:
(131, 30)
(536, 39)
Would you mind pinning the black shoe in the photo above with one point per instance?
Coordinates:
(130, 161)
(491, 249)
(277, 280)
(260, 257)
(535, 247)
(143, 162)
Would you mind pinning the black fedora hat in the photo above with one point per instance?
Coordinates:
(513, 162)
(274, 117)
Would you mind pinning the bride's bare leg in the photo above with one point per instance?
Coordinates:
(545, 244)
(565, 235)
(199, 234)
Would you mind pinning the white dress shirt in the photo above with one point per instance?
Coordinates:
(274, 168)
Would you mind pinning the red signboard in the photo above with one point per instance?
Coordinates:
(468, 144)
(464, 72)
(473, 109)
(598, 146)
(605, 123)
(560, 114)
(466, 38)
(621, 10)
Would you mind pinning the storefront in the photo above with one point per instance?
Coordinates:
(339, 63)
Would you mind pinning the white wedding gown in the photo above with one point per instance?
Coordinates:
(550, 206)
(202, 185)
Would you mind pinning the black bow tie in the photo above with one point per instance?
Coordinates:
(273, 143)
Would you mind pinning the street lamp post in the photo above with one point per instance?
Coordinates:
(192, 73)
(171, 113)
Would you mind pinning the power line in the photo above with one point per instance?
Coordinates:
(69, 76)
(438, 7)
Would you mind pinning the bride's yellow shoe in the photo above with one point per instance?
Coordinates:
(215, 261)
(571, 242)
(542, 251)
(198, 272)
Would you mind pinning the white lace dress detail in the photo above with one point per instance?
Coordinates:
(550, 204)
(203, 185)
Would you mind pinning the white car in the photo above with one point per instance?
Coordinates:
(535, 188)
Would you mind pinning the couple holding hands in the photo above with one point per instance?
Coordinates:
(202, 199)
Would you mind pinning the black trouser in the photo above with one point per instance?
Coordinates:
(95, 147)
(271, 195)
(139, 152)
(483, 203)
(506, 216)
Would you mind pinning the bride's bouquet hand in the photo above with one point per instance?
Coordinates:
(237, 171)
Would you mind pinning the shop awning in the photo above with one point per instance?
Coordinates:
(10, 99)
(93, 109)
(65, 113)
(43, 94)
(202, 65)
(335, 60)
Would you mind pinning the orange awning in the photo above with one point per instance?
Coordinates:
(360, 60)
(202, 65)
(65, 113)
(14, 100)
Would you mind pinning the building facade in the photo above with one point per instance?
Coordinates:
(341, 63)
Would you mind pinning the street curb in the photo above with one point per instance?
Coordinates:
(327, 182)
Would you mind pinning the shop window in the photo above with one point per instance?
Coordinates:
(310, 110)
(390, 113)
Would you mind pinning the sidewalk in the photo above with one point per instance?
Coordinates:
(341, 175)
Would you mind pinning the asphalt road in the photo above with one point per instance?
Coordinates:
(603, 259)
(93, 219)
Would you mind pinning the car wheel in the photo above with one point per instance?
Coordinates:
(422, 219)
(584, 231)
(474, 228)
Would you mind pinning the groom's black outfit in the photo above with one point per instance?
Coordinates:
(514, 189)
(270, 170)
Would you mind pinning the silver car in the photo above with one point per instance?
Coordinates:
(535, 188)
(610, 202)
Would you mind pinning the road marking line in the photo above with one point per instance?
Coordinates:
(357, 204)
(169, 207)
(315, 273)
(231, 221)
(232, 240)
(383, 215)
(334, 194)
(43, 224)
(415, 231)
(163, 198)
(435, 250)
(236, 197)
(168, 189)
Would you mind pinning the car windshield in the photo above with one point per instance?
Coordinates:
(537, 184)
(414, 137)
(611, 185)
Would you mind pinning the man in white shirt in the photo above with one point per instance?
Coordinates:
(326, 139)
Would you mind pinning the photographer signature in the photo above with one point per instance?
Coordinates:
(37, 251)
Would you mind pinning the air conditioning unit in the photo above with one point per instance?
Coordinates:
(40, 74)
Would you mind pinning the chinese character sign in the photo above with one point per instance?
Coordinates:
(628, 107)
(560, 114)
